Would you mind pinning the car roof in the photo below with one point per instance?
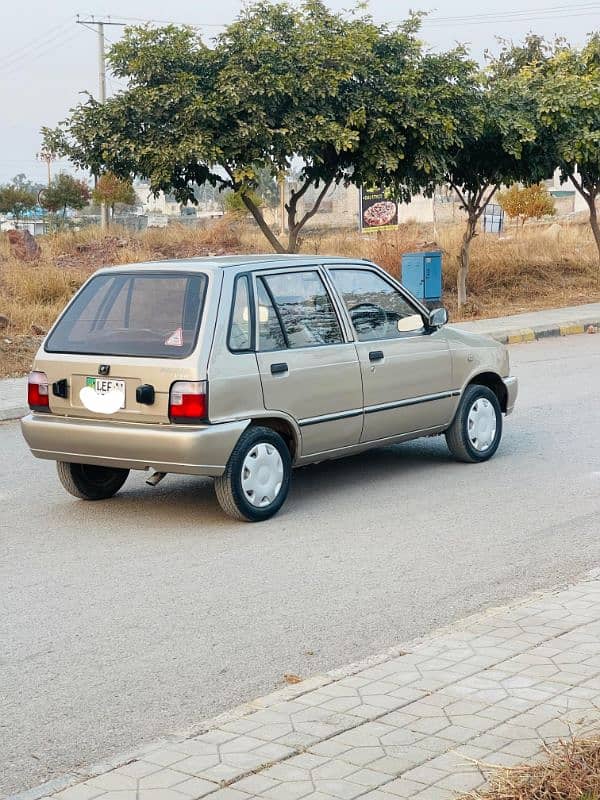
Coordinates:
(214, 263)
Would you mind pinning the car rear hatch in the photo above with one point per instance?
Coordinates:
(121, 344)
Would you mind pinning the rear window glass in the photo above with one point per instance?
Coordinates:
(133, 315)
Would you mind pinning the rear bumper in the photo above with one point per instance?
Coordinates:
(165, 448)
(512, 389)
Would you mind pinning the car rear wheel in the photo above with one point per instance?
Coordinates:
(476, 431)
(257, 477)
(89, 482)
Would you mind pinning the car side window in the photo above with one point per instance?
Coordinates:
(270, 333)
(240, 328)
(377, 309)
(305, 309)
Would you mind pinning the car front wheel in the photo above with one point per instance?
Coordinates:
(476, 431)
(257, 477)
(89, 482)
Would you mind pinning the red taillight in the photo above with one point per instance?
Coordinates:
(188, 402)
(37, 391)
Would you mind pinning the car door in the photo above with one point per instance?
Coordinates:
(307, 367)
(406, 369)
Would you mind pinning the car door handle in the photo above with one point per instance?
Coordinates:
(277, 369)
(376, 355)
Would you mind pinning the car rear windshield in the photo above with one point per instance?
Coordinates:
(133, 314)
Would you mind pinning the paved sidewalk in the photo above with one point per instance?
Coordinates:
(416, 722)
(537, 324)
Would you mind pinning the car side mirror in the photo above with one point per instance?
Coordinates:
(438, 317)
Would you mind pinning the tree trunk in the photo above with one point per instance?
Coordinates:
(594, 222)
(463, 260)
(260, 221)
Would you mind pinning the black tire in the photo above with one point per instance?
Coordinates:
(228, 486)
(457, 435)
(89, 482)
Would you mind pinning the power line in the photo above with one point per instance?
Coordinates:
(523, 11)
(37, 41)
(27, 58)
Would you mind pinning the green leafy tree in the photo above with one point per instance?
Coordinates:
(17, 198)
(65, 192)
(527, 202)
(114, 191)
(346, 99)
(566, 88)
(501, 147)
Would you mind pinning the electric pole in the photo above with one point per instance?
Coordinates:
(99, 25)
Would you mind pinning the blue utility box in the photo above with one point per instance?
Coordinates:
(422, 275)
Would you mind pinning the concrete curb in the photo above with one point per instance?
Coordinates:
(16, 412)
(287, 693)
(522, 335)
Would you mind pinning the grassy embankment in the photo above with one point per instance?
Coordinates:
(543, 266)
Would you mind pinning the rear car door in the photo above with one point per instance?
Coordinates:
(308, 369)
(406, 369)
(124, 331)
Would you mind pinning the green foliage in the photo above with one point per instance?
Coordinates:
(560, 85)
(114, 191)
(527, 202)
(352, 100)
(65, 192)
(17, 197)
(234, 203)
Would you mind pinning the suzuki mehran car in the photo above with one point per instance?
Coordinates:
(244, 367)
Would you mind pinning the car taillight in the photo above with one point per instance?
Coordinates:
(37, 391)
(188, 402)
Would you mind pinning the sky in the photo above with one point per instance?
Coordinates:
(47, 60)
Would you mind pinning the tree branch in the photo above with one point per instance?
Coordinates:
(261, 222)
(316, 205)
(482, 205)
(460, 196)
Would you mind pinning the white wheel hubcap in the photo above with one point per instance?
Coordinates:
(481, 424)
(262, 475)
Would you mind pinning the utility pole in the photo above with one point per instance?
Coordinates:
(99, 25)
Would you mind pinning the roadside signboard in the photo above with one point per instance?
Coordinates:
(378, 209)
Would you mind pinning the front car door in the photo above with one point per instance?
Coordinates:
(406, 369)
(308, 369)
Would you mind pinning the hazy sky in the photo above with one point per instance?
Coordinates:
(46, 59)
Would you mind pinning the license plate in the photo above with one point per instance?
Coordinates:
(103, 386)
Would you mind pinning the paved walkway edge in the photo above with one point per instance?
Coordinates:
(505, 633)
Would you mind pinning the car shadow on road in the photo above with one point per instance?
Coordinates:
(187, 501)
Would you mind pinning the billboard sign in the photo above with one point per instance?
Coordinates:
(378, 209)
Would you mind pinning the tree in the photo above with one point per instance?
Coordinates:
(527, 202)
(65, 192)
(566, 88)
(114, 191)
(17, 198)
(502, 147)
(346, 99)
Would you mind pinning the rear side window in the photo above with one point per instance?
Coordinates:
(304, 308)
(139, 314)
(240, 328)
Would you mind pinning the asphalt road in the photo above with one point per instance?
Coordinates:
(124, 620)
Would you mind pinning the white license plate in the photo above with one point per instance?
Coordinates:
(103, 386)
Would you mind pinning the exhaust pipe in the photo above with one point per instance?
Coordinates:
(155, 479)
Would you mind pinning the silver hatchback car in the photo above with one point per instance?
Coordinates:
(243, 367)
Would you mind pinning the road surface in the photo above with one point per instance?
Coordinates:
(124, 620)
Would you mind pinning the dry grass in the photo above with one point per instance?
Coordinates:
(571, 772)
(541, 267)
